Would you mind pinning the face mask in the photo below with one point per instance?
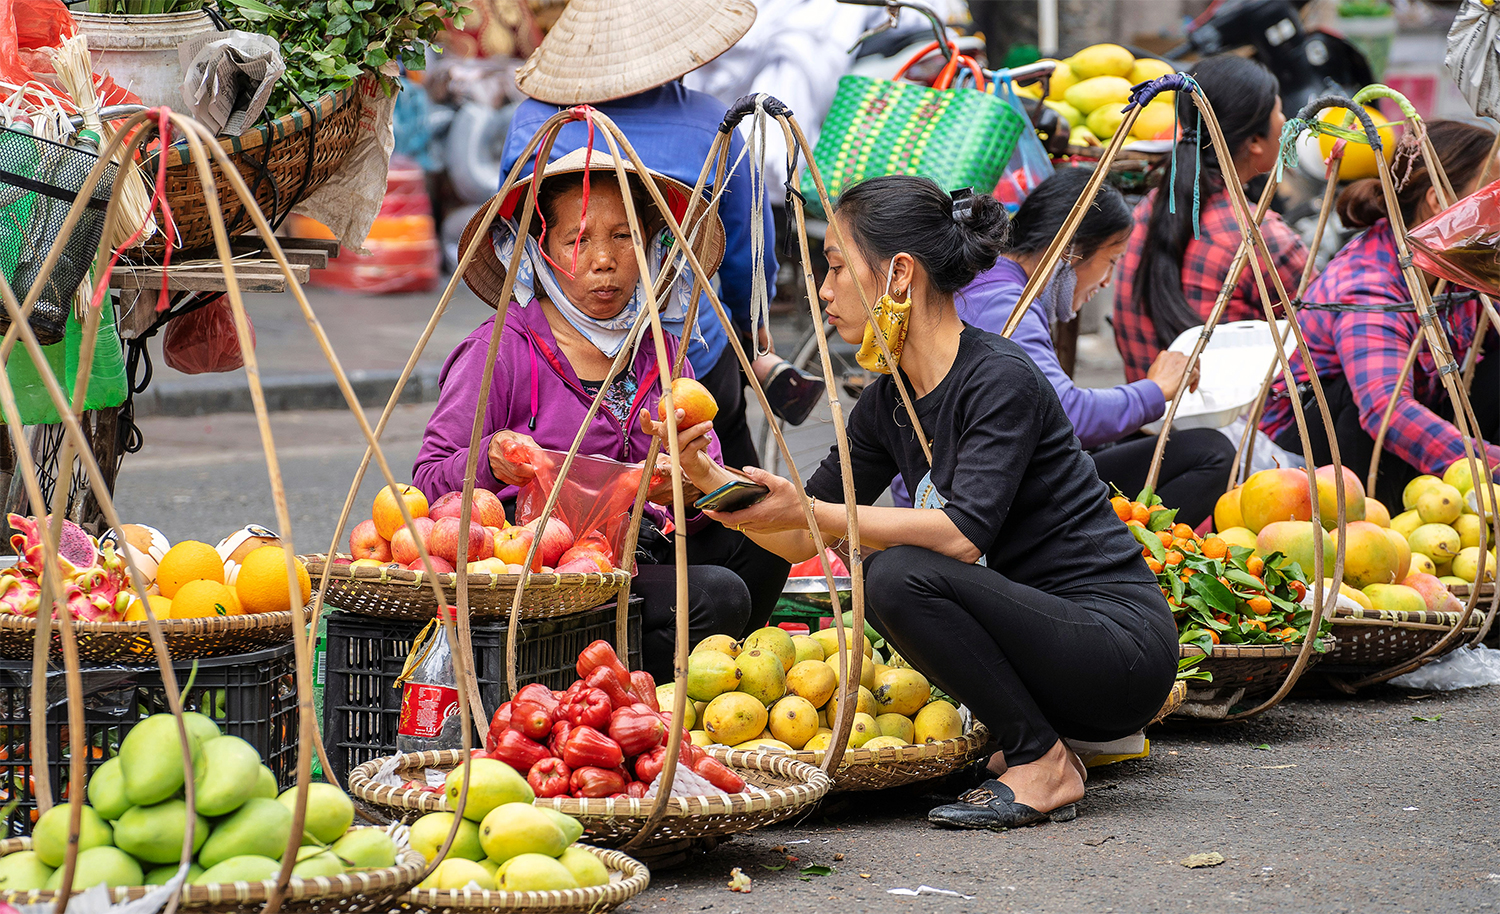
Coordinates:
(891, 318)
(1057, 297)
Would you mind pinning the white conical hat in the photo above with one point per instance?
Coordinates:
(601, 50)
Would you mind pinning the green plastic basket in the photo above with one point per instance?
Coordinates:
(956, 137)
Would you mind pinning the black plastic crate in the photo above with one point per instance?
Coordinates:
(362, 706)
(252, 696)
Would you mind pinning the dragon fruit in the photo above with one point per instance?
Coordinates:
(95, 583)
(19, 595)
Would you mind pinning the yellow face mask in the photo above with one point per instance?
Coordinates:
(892, 318)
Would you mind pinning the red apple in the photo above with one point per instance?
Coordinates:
(555, 540)
(439, 565)
(403, 547)
(487, 509)
(448, 505)
(366, 543)
(589, 555)
(512, 545)
(443, 541)
(594, 540)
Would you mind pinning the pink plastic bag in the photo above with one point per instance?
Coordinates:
(1462, 243)
(204, 340)
(595, 503)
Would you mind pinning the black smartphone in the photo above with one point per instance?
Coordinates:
(732, 496)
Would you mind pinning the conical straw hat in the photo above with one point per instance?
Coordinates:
(601, 50)
(486, 274)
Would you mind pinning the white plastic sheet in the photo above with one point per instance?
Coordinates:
(1465, 668)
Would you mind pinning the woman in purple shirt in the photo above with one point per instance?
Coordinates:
(1107, 421)
(578, 291)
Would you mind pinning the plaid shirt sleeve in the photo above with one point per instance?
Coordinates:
(1135, 333)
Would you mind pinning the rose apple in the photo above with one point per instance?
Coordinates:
(403, 547)
(365, 542)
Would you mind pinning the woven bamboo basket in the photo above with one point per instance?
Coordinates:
(1462, 591)
(1175, 698)
(368, 890)
(130, 642)
(1258, 668)
(395, 593)
(1378, 639)
(627, 878)
(784, 788)
(282, 162)
(877, 769)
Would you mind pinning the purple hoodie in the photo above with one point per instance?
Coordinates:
(535, 392)
(1099, 414)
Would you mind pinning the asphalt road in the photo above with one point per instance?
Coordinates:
(1323, 805)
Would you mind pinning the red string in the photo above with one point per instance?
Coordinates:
(158, 201)
(583, 113)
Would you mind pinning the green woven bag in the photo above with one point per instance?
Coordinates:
(956, 137)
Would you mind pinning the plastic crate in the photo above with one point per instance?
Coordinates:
(252, 696)
(362, 706)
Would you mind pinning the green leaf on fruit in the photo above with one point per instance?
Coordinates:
(1212, 590)
(1150, 541)
(1160, 520)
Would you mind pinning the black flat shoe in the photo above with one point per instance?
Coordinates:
(993, 805)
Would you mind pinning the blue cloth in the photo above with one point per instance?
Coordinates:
(672, 129)
(1099, 415)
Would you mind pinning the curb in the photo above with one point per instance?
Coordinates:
(284, 392)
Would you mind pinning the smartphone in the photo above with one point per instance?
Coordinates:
(733, 496)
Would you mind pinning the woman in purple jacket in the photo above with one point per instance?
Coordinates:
(1107, 420)
(578, 291)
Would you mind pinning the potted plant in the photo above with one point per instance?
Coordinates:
(137, 40)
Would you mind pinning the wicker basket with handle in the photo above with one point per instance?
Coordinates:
(627, 878)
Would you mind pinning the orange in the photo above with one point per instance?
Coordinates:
(262, 586)
(1215, 548)
(1154, 565)
(1122, 506)
(1255, 565)
(387, 514)
(203, 600)
(1139, 513)
(1182, 530)
(696, 403)
(1260, 605)
(161, 607)
(1166, 538)
(1173, 558)
(1256, 623)
(187, 561)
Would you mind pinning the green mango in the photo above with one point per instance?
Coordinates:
(265, 784)
(585, 867)
(572, 828)
(200, 725)
(23, 871)
(258, 828)
(330, 812)
(231, 772)
(163, 874)
(151, 759)
(105, 864)
(371, 848)
(519, 828)
(536, 873)
(316, 861)
(243, 868)
(49, 838)
(107, 790)
(154, 833)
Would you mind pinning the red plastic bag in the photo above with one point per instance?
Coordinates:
(42, 23)
(813, 568)
(595, 501)
(204, 340)
(1462, 243)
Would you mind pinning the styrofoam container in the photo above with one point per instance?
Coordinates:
(1230, 372)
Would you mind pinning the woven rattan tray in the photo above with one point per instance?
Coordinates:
(1175, 698)
(1258, 668)
(366, 890)
(130, 642)
(1378, 639)
(282, 162)
(877, 769)
(627, 877)
(394, 593)
(786, 787)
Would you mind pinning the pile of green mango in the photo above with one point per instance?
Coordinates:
(504, 842)
(133, 826)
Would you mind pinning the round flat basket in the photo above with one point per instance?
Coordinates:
(282, 162)
(877, 769)
(1378, 639)
(365, 890)
(395, 593)
(627, 878)
(130, 642)
(1462, 591)
(779, 787)
(1175, 698)
(1257, 668)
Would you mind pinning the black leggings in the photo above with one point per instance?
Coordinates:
(733, 586)
(1194, 469)
(1030, 665)
(1356, 446)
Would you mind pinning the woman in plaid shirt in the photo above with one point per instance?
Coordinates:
(1171, 275)
(1359, 353)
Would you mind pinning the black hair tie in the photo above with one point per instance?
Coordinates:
(963, 204)
(1189, 136)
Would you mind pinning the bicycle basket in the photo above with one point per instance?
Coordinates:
(39, 180)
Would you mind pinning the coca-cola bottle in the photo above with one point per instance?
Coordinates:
(429, 701)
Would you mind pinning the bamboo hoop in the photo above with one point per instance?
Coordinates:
(1324, 599)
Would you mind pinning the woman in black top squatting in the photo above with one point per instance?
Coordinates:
(1022, 595)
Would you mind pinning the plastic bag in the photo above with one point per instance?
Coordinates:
(106, 385)
(1462, 243)
(1473, 56)
(204, 340)
(595, 502)
(1029, 165)
(1465, 668)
